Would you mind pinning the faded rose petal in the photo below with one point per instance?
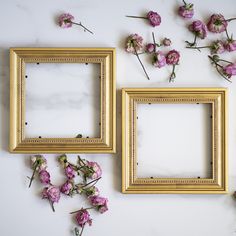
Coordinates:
(154, 18)
(172, 57)
(159, 59)
(217, 23)
(199, 29)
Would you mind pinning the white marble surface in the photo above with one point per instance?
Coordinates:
(32, 23)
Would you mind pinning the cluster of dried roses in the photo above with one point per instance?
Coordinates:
(215, 24)
(86, 170)
(134, 45)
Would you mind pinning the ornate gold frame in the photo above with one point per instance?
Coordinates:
(106, 143)
(217, 97)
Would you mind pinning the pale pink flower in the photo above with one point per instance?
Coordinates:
(92, 191)
(67, 188)
(217, 23)
(159, 59)
(230, 45)
(172, 57)
(99, 202)
(199, 29)
(83, 217)
(230, 70)
(186, 11)
(70, 172)
(217, 47)
(154, 18)
(94, 170)
(52, 193)
(134, 43)
(65, 20)
(44, 177)
(166, 42)
(150, 48)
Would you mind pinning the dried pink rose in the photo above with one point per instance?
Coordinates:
(94, 171)
(186, 11)
(154, 18)
(52, 193)
(199, 29)
(70, 172)
(217, 47)
(67, 188)
(229, 70)
(99, 202)
(217, 23)
(92, 191)
(65, 20)
(44, 177)
(83, 217)
(150, 48)
(166, 42)
(159, 59)
(172, 57)
(230, 45)
(134, 43)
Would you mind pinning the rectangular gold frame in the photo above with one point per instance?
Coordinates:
(106, 143)
(217, 97)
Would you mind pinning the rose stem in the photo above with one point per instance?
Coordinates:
(172, 73)
(141, 63)
(230, 19)
(32, 177)
(82, 230)
(86, 29)
(154, 42)
(194, 42)
(227, 34)
(89, 208)
(51, 203)
(95, 180)
(141, 17)
(184, 2)
(225, 61)
(198, 47)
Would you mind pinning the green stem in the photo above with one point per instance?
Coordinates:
(154, 42)
(51, 203)
(225, 61)
(184, 3)
(140, 17)
(198, 47)
(82, 230)
(230, 19)
(141, 63)
(79, 24)
(88, 208)
(32, 177)
(193, 43)
(172, 75)
(227, 34)
(95, 180)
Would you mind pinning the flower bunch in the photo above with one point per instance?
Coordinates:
(66, 20)
(90, 172)
(50, 192)
(153, 18)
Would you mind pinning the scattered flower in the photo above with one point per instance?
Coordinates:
(52, 193)
(134, 43)
(44, 177)
(99, 202)
(172, 58)
(166, 42)
(94, 171)
(230, 45)
(67, 188)
(230, 70)
(153, 17)
(83, 217)
(186, 11)
(92, 191)
(217, 47)
(150, 48)
(217, 23)
(70, 172)
(67, 20)
(159, 59)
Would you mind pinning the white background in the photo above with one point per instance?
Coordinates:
(33, 23)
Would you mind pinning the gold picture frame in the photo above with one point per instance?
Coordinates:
(106, 143)
(217, 97)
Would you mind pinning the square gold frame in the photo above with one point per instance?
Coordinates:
(217, 97)
(106, 143)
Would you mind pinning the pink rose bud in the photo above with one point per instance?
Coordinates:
(159, 60)
(172, 57)
(52, 193)
(82, 217)
(92, 191)
(230, 70)
(44, 177)
(199, 29)
(150, 48)
(38, 162)
(166, 42)
(154, 18)
(230, 45)
(67, 188)
(99, 202)
(217, 23)
(94, 170)
(186, 11)
(70, 172)
(65, 20)
(217, 47)
(134, 42)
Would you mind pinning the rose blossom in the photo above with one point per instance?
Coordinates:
(186, 11)
(65, 20)
(154, 18)
(217, 47)
(99, 202)
(230, 45)
(199, 29)
(159, 60)
(217, 23)
(172, 57)
(44, 177)
(70, 172)
(134, 42)
(92, 191)
(230, 70)
(150, 48)
(67, 188)
(52, 193)
(38, 162)
(94, 170)
(166, 42)
(83, 217)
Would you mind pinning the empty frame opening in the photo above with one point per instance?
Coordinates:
(62, 100)
(174, 140)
